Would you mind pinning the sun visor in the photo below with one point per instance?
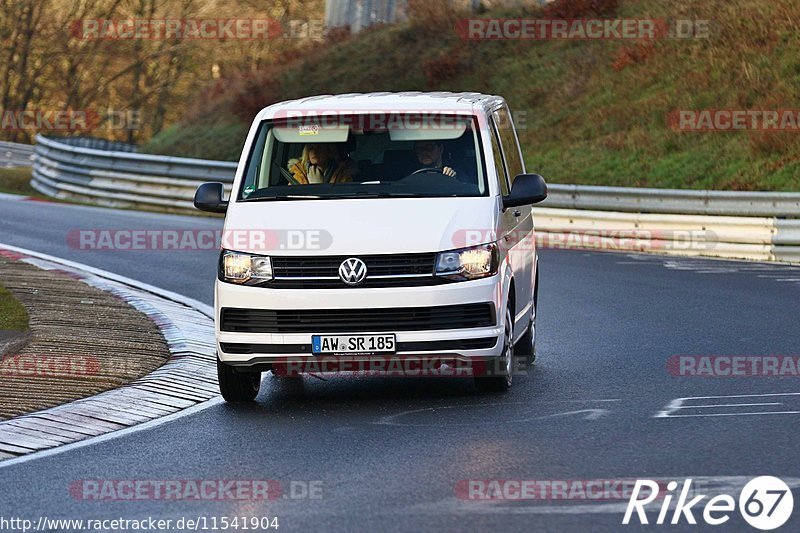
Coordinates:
(446, 133)
(311, 133)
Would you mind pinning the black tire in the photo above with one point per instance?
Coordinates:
(237, 386)
(525, 349)
(500, 370)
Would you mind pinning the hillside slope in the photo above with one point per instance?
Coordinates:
(591, 112)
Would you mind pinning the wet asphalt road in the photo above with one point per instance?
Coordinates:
(388, 454)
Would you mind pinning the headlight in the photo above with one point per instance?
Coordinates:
(468, 263)
(237, 267)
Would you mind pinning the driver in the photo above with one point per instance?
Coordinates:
(429, 155)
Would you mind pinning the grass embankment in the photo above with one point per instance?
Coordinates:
(595, 112)
(16, 181)
(13, 315)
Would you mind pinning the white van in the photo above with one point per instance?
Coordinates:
(362, 227)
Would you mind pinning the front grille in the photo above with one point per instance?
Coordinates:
(356, 320)
(377, 265)
(400, 270)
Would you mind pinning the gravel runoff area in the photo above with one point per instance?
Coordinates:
(82, 340)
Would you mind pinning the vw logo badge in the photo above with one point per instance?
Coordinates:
(352, 271)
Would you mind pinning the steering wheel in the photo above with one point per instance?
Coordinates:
(428, 169)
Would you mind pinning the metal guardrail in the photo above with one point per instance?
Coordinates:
(15, 154)
(786, 241)
(687, 202)
(117, 178)
(98, 144)
(717, 236)
(728, 217)
(760, 225)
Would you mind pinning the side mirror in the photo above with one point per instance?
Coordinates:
(527, 189)
(209, 198)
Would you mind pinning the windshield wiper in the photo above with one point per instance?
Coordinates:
(353, 196)
(285, 197)
(376, 194)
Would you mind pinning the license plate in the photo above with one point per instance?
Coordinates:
(353, 344)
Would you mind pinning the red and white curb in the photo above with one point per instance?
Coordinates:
(185, 384)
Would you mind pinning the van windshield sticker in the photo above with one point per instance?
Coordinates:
(313, 129)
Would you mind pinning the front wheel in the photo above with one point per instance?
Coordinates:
(526, 345)
(237, 386)
(500, 370)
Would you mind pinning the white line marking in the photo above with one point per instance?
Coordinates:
(592, 414)
(742, 396)
(114, 434)
(390, 420)
(735, 414)
(681, 403)
(709, 406)
(7, 196)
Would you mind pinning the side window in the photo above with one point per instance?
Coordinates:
(508, 138)
(254, 177)
(499, 164)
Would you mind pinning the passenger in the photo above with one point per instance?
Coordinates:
(320, 163)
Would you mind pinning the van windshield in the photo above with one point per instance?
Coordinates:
(392, 155)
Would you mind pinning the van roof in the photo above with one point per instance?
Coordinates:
(384, 102)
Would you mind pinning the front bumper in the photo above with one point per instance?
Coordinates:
(264, 348)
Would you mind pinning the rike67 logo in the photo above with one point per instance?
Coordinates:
(765, 503)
